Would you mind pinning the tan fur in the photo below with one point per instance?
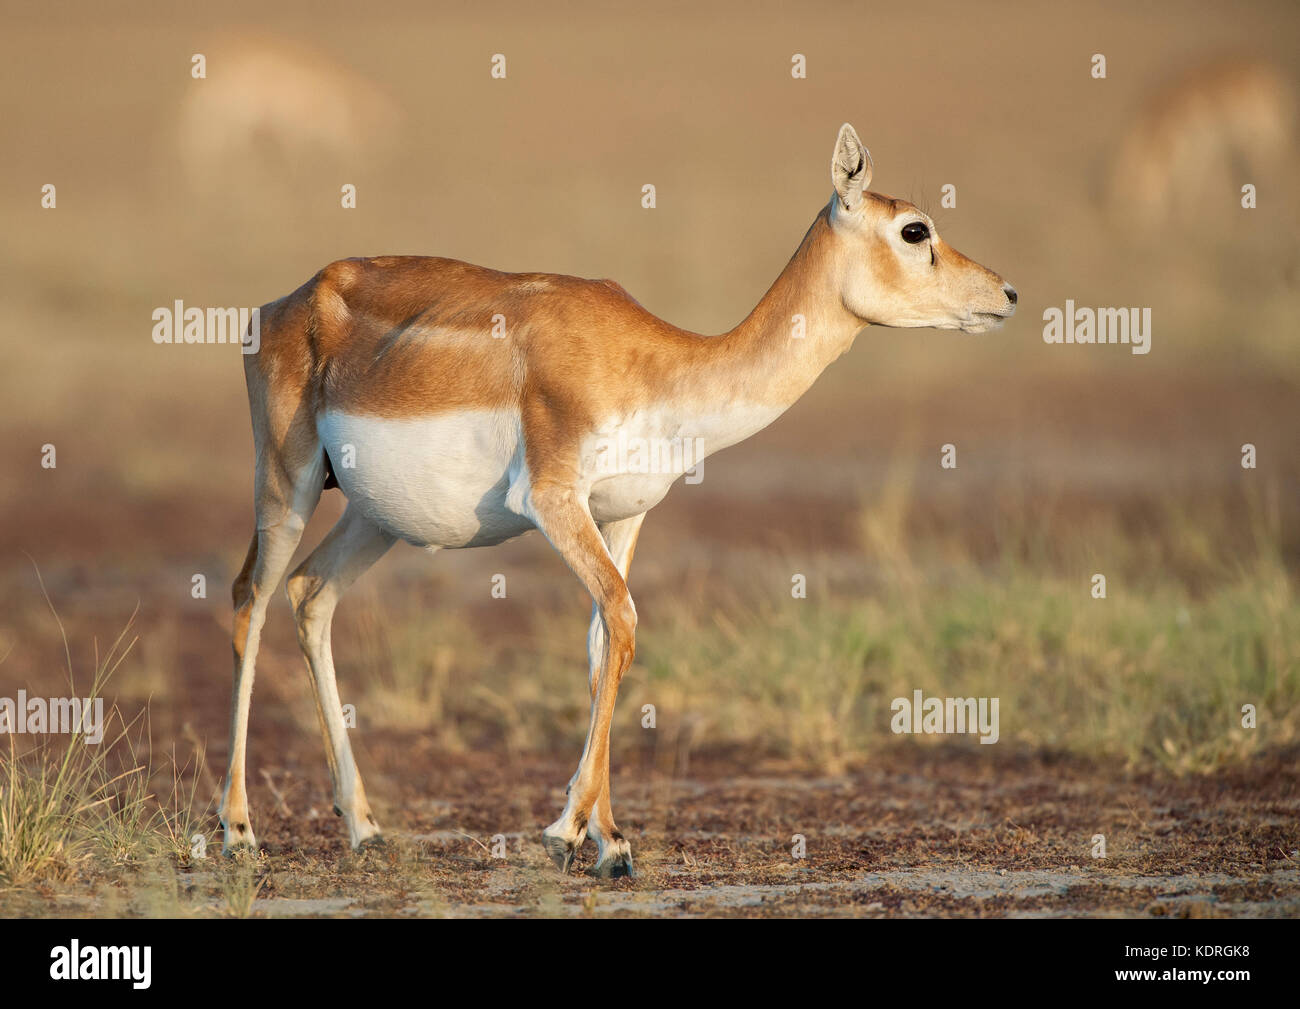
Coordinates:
(405, 337)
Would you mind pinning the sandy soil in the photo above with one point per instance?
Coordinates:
(927, 833)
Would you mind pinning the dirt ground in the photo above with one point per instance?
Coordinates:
(926, 833)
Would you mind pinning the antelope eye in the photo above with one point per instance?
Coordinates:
(915, 232)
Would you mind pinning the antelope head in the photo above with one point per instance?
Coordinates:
(894, 269)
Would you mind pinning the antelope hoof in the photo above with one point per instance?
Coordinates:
(615, 862)
(561, 852)
(375, 842)
(238, 838)
(363, 831)
(560, 848)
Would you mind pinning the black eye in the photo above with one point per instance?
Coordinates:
(915, 232)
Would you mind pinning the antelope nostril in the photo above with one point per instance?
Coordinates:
(1011, 293)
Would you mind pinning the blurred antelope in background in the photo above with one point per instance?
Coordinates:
(1195, 143)
(457, 406)
(270, 110)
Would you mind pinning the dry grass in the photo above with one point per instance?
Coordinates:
(65, 801)
(1196, 623)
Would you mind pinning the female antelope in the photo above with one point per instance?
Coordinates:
(457, 406)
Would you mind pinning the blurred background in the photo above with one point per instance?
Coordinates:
(1072, 460)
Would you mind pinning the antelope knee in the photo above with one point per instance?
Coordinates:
(620, 624)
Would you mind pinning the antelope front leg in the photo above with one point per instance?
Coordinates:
(614, 856)
(587, 809)
(569, 526)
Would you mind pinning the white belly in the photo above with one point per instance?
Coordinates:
(432, 481)
(460, 479)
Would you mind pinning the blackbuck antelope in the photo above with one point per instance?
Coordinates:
(457, 406)
(1234, 121)
(256, 120)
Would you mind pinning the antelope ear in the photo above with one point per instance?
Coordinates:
(850, 168)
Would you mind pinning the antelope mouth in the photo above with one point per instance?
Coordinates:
(984, 322)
